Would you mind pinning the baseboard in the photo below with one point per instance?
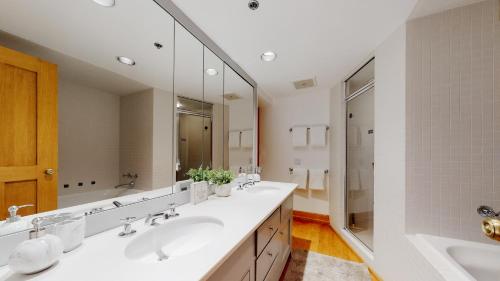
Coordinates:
(319, 218)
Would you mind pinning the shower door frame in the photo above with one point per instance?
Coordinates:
(347, 98)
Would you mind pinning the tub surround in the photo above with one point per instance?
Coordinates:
(241, 213)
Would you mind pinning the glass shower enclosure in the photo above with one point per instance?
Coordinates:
(359, 195)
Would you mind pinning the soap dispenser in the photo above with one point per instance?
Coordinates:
(14, 223)
(38, 253)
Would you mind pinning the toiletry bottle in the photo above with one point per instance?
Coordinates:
(38, 253)
(14, 223)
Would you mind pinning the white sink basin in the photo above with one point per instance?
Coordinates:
(480, 262)
(175, 238)
(262, 189)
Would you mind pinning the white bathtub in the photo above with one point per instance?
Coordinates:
(79, 198)
(458, 259)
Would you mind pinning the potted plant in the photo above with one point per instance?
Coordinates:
(199, 186)
(222, 180)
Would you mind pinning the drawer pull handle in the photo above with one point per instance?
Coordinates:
(281, 233)
(270, 254)
(271, 228)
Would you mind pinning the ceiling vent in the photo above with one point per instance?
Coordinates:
(303, 84)
(232, 96)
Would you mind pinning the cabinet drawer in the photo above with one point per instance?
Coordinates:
(266, 231)
(269, 256)
(286, 209)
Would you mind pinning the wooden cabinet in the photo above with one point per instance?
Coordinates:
(266, 231)
(239, 266)
(263, 256)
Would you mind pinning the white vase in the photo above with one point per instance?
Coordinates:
(199, 192)
(223, 190)
(71, 231)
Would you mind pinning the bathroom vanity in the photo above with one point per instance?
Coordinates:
(245, 236)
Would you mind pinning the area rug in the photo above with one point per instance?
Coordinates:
(309, 266)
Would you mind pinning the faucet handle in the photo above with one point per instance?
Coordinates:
(172, 212)
(487, 212)
(127, 227)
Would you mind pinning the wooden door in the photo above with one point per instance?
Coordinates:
(28, 133)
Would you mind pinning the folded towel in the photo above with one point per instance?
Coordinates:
(353, 180)
(299, 136)
(299, 176)
(247, 139)
(317, 179)
(234, 139)
(317, 135)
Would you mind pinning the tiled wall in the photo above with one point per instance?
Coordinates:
(453, 120)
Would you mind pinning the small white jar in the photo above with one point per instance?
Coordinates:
(223, 190)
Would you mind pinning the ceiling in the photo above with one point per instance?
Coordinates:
(322, 39)
(95, 35)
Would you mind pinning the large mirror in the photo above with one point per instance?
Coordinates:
(84, 118)
(115, 117)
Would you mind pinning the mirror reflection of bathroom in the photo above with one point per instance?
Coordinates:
(239, 107)
(359, 152)
(111, 94)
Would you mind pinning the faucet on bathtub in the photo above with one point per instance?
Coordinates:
(131, 183)
(491, 223)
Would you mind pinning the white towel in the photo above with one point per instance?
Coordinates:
(234, 139)
(317, 179)
(299, 176)
(317, 135)
(353, 180)
(299, 136)
(247, 139)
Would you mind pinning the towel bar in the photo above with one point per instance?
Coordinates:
(291, 171)
(308, 128)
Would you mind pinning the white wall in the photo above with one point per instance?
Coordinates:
(277, 153)
(146, 138)
(89, 124)
(136, 137)
(394, 258)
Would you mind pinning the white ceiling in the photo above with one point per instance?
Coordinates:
(72, 31)
(320, 38)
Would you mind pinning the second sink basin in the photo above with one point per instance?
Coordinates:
(262, 189)
(178, 237)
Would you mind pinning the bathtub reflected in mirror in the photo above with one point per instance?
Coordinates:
(93, 116)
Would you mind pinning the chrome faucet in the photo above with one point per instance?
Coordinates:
(151, 218)
(171, 211)
(131, 183)
(127, 227)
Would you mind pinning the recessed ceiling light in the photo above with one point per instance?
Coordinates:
(125, 60)
(179, 104)
(212, 72)
(105, 3)
(268, 56)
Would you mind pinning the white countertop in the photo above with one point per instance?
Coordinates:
(101, 257)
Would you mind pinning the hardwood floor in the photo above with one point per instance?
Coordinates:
(321, 238)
